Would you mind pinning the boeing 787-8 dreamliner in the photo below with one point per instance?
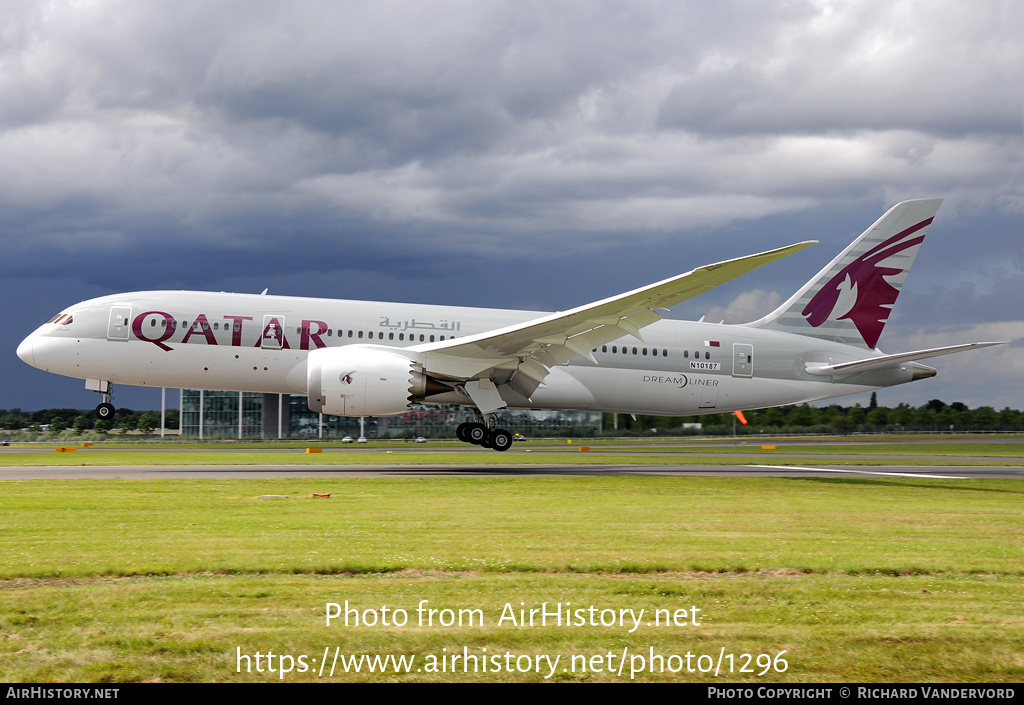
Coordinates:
(361, 358)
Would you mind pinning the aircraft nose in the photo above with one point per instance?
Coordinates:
(26, 351)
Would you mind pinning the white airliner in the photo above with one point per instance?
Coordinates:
(360, 358)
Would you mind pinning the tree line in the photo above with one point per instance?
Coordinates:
(934, 416)
(60, 420)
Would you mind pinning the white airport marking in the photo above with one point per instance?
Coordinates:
(862, 472)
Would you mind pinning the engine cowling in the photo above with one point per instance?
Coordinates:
(366, 380)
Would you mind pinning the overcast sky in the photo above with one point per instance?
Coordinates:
(510, 154)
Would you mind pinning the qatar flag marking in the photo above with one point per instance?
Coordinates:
(712, 344)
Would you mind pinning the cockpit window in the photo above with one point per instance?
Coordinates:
(63, 319)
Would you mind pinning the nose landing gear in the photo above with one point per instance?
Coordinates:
(105, 411)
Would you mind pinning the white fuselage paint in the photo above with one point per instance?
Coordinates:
(748, 368)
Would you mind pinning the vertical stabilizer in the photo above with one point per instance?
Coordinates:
(850, 300)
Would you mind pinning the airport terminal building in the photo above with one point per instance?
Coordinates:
(208, 414)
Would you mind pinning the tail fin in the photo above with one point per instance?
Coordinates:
(850, 300)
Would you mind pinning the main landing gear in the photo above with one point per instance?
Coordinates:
(479, 434)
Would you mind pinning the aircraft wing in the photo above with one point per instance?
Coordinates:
(523, 353)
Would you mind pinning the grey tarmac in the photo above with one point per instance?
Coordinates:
(960, 472)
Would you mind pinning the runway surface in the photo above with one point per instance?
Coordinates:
(865, 459)
(505, 470)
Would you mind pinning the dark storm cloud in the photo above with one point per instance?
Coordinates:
(415, 149)
(484, 119)
(865, 66)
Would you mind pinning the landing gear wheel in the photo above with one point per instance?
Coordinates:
(500, 440)
(462, 432)
(105, 411)
(476, 433)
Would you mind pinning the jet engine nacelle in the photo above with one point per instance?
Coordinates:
(366, 380)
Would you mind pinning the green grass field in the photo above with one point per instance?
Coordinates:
(854, 579)
(878, 451)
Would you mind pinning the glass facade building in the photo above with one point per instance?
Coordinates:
(221, 414)
(247, 415)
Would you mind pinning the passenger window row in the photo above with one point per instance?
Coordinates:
(380, 336)
(653, 351)
(330, 333)
(371, 335)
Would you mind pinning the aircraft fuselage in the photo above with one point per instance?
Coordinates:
(243, 342)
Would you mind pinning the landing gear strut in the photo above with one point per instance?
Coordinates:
(484, 435)
(105, 411)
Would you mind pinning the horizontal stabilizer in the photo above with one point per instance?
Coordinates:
(876, 363)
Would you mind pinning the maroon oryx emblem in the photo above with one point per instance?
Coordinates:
(860, 292)
(347, 377)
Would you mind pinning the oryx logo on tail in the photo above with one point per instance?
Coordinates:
(849, 301)
(860, 292)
